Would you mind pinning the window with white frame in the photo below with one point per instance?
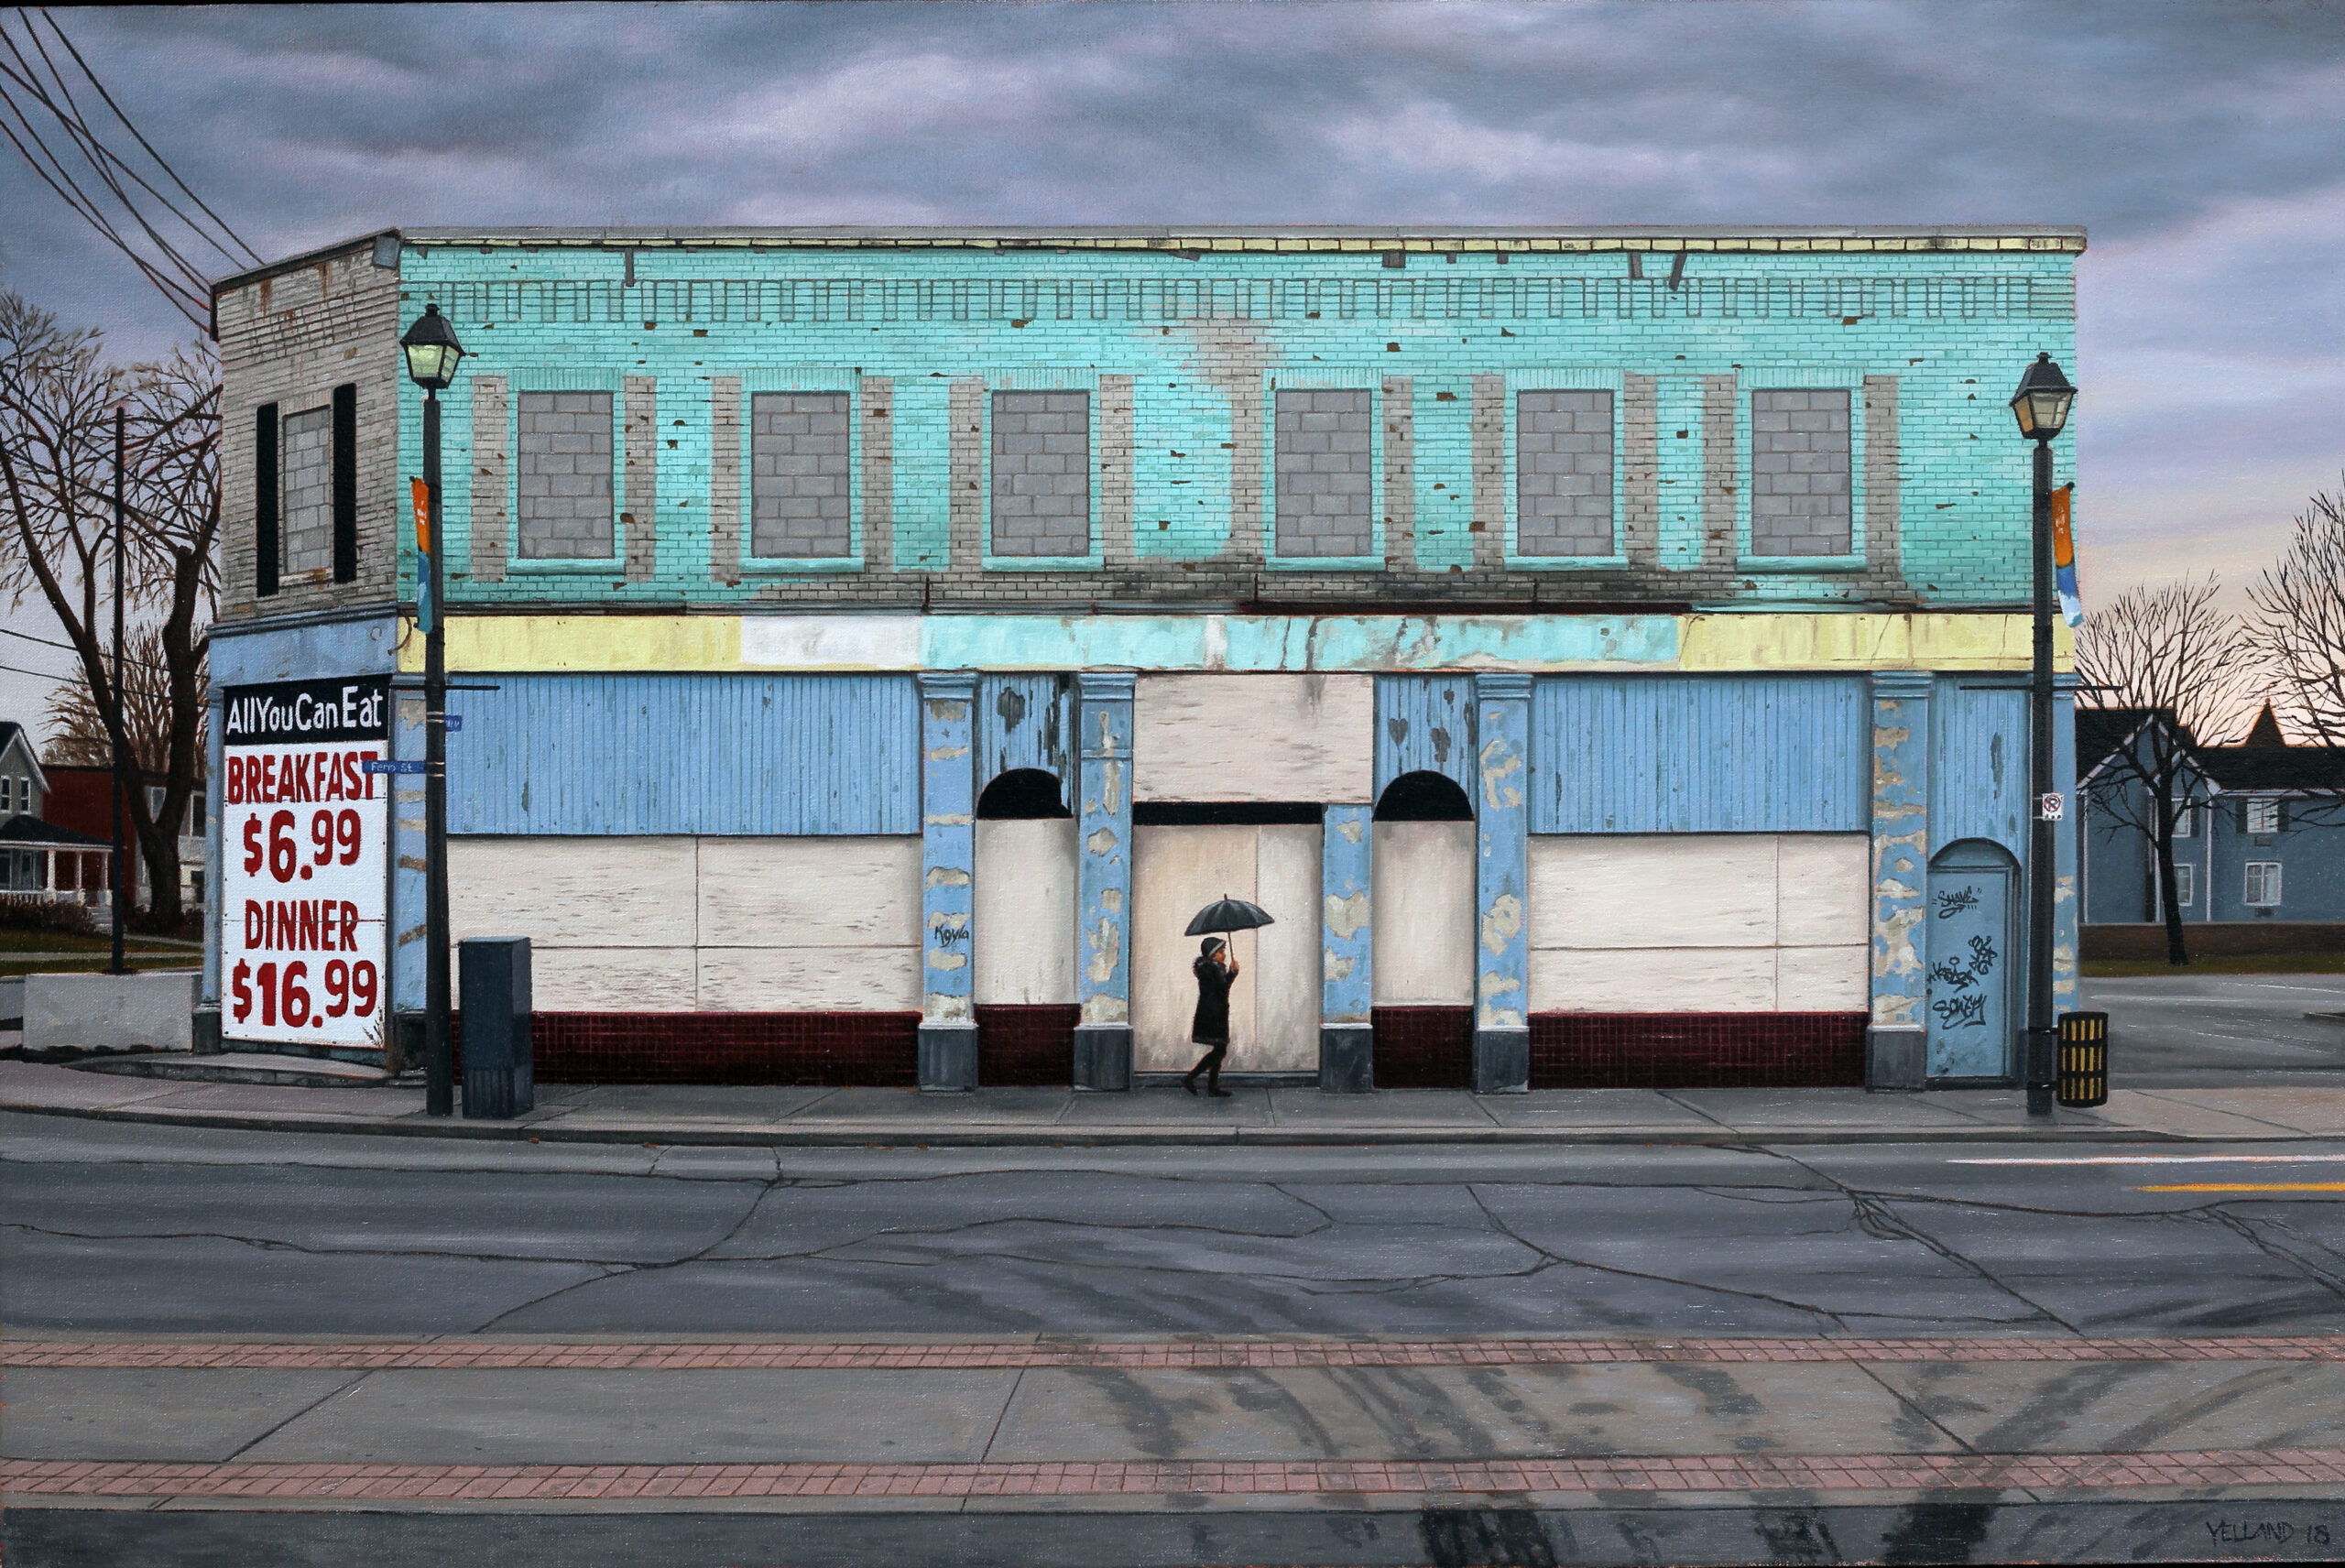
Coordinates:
(2263, 883)
(2186, 886)
(2264, 817)
(2184, 816)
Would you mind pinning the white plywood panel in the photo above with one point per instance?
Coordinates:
(611, 979)
(809, 892)
(1423, 902)
(572, 892)
(1176, 871)
(1025, 911)
(1286, 953)
(1824, 889)
(1255, 737)
(1822, 979)
(1652, 890)
(1654, 980)
(809, 979)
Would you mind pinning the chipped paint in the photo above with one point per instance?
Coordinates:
(947, 877)
(1106, 1009)
(945, 1008)
(1101, 842)
(1105, 940)
(1352, 829)
(946, 753)
(1501, 871)
(1502, 769)
(1112, 898)
(1338, 966)
(1347, 917)
(1901, 845)
(947, 960)
(1103, 722)
(950, 819)
(948, 846)
(1501, 922)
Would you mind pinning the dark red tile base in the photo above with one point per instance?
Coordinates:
(1423, 1048)
(1031, 1047)
(825, 1049)
(1697, 1050)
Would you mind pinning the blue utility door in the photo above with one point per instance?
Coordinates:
(1971, 963)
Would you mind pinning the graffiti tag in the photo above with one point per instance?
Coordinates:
(1947, 973)
(1960, 1012)
(1951, 904)
(948, 935)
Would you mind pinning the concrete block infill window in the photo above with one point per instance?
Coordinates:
(564, 476)
(1562, 460)
(308, 469)
(1799, 471)
(1324, 451)
(798, 474)
(1042, 474)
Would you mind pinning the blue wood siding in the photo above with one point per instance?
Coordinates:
(1023, 721)
(1700, 754)
(1425, 723)
(1979, 774)
(686, 754)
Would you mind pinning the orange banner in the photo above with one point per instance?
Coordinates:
(2064, 548)
(422, 494)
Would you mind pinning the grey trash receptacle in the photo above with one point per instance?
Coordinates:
(493, 981)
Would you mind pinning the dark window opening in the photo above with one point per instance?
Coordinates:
(1226, 813)
(1424, 798)
(1022, 793)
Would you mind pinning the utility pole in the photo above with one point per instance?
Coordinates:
(121, 730)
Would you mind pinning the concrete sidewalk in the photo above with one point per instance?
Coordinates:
(1048, 1117)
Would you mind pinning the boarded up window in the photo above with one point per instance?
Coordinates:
(564, 474)
(307, 472)
(1042, 474)
(798, 474)
(1799, 472)
(1323, 458)
(1562, 473)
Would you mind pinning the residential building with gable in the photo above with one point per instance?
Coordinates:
(1602, 651)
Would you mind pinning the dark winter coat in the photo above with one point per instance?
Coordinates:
(1211, 1025)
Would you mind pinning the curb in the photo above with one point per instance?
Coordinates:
(898, 1136)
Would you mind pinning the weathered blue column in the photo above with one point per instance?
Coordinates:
(2065, 914)
(1103, 939)
(1896, 1039)
(206, 1035)
(1501, 885)
(1347, 992)
(948, 859)
(408, 864)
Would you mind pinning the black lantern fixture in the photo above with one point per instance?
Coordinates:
(432, 350)
(2040, 403)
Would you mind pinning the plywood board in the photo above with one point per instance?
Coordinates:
(1422, 903)
(611, 979)
(1823, 979)
(573, 892)
(1255, 737)
(1652, 890)
(809, 892)
(1823, 889)
(1286, 955)
(1176, 871)
(1025, 911)
(1654, 980)
(809, 979)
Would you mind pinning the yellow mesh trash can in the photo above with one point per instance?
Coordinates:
(2084, 1060)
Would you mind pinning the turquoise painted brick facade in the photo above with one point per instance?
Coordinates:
(1205, 341)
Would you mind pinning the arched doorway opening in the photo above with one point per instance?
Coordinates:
(1424, 967)
(1973, 961)
(1025, 898)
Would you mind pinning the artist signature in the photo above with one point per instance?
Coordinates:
(2275, 1532)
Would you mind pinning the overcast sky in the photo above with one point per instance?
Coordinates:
(2202, 144)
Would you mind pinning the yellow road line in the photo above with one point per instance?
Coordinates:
(2249, 1187)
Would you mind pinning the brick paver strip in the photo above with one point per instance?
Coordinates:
(1703, 1473)
(461, 1354)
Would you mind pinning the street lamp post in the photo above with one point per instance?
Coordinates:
(432, 355)
(2041, 405)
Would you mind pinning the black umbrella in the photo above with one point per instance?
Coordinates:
(1227, 915)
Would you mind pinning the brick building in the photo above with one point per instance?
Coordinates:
(1597, 648)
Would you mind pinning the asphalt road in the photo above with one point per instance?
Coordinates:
(2192, 1031)
(119, 1228)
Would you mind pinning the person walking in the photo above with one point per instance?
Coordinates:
(1216, 972)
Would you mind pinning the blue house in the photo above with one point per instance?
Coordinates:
(2260, 836)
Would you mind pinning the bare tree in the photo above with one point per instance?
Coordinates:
(78, 733)
(57, 534)
(2299, 622)
(2186, 666)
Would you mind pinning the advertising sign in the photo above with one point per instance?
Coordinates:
(305, 827)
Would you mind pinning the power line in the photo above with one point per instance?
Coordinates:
(50, 642)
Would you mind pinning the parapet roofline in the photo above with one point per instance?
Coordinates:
(1194, 241)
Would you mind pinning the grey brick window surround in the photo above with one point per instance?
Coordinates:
(306, 535)
(562, 466)
(798, 474)
(1562, 473)
(1799, 471)
(1323, 452)
(1042, 474)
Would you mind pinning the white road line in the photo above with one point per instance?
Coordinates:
(2167, 1160)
